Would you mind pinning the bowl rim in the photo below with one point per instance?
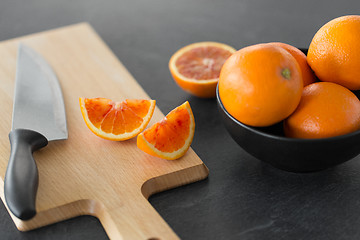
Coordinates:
(277, 137)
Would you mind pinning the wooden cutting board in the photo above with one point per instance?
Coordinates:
(87, 175)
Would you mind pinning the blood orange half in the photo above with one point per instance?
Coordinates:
(196, 67)
(171, 137)
(116, 121)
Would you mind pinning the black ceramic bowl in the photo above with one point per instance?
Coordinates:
(296, 155)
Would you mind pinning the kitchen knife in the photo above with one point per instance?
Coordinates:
(38, 117)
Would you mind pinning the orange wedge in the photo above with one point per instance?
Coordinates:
(171, 137)
(196, 67)
(116, 121)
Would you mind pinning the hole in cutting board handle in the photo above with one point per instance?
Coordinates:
(153, 239)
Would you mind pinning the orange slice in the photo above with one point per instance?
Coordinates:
(171, 137)
(116, 121)
(196, 67)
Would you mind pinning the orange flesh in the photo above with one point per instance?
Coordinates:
(174, 129)
(114, 117)
(202, 63)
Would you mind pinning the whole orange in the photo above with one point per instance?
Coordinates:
(306, 72)
(260, 85)
(325, 110)
(334, 52)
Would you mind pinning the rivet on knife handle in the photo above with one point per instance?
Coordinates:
(22, 178)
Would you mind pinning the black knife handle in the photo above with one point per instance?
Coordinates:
(21, 177)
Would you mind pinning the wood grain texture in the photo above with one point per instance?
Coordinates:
(86, 174)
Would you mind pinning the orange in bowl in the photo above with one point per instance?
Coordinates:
(260, 85)
(325, 110)
(307, 73)
(334, 52)
(196, 67)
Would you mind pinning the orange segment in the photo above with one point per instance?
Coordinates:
(171, 137)
(116, 121)
(196, 67)
(97, 110)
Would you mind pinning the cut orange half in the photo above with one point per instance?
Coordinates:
(116, 121)
(171, 137)
(196, 67)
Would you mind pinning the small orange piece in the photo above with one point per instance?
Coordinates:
(325, 110)
(260, 85)
(196, 67)
(116, 121)
(334, 52)
(306, 72)
(171, 137)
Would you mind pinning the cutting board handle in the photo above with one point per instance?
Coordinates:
(135, 220)
(22, 178)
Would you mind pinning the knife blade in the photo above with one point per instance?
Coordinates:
(38, 117)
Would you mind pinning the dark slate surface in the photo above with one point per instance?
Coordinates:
(243, 198)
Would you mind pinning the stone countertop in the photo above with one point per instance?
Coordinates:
(243, 198)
